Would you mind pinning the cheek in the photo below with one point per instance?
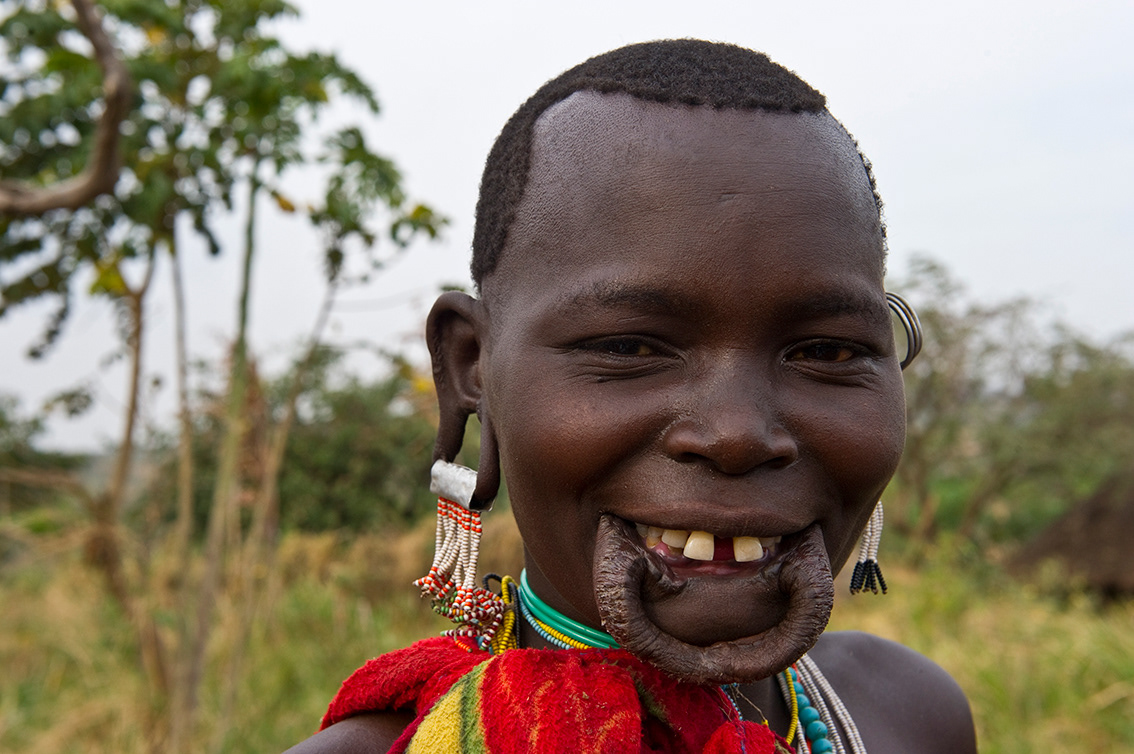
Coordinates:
(545, 454)
(560, 445)
(873, 446)
(542, 451)
(860, 446)
(548, 459)
(868, 434)
(563, 438)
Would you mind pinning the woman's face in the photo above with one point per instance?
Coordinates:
(687, 332)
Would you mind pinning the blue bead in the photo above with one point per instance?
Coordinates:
(808, 715)
(822, 746)
(802, 700)
(799, 688)
(816, 730)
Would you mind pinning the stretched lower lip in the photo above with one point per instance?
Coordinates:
(785, 605)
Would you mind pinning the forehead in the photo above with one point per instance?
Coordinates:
(686, 185)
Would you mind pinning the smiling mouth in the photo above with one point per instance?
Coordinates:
(786, 593)
(685, 548)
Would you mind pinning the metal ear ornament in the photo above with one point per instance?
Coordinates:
(910, 323)
(451, 581)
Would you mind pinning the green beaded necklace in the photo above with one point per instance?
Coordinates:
(547, 621)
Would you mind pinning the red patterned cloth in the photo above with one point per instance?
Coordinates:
(525, 701)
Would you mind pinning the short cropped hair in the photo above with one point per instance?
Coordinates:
(673, 71)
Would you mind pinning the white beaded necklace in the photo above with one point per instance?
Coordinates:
(830, 707)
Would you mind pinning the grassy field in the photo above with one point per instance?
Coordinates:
(1044, 673)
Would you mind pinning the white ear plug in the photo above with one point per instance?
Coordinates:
(453, 482)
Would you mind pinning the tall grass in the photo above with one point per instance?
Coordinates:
(1048, 670)
(1043, 673)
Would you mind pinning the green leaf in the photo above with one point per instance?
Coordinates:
(108, 280)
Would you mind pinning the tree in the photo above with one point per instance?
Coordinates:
(100, 174)
(358, 457)
(219, 107)
(1008, 420)
(355, 457)
(1065, 431)
(966, 355)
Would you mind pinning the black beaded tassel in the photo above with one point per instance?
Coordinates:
(867, 575)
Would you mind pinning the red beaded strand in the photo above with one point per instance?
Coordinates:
(451, 581)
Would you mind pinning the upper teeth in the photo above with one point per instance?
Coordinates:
(747, 548)
(700, 545)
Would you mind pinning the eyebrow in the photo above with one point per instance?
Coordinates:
(825, 304)
(614, 293)
(841, 303)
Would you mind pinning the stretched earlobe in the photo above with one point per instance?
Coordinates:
(450, 433)
(488, 467)
(454, 336)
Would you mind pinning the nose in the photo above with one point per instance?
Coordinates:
(730, 423)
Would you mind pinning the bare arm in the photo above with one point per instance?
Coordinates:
(357, 735)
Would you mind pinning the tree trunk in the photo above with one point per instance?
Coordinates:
(183, 533)
(257, 553)
(228, 467)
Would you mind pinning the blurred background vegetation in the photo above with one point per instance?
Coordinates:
(206, 584)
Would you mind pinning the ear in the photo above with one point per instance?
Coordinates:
(454, 333)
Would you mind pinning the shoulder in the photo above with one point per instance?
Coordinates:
(364, 734)
(900, 700)
(375, 704)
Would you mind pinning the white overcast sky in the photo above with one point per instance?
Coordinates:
(1002, 137)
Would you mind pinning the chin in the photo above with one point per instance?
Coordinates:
(691, 621)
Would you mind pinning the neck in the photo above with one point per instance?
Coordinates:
(555, 627)
(761, 700)
(528, 636)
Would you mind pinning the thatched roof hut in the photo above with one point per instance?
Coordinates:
(1093, 541)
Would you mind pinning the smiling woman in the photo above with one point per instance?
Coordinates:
(727, 423)
(683, 362)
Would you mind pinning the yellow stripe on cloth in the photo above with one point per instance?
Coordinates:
(454, 724)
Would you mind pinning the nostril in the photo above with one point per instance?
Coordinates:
(732, 450)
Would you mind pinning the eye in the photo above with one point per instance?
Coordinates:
(830, 353)
(623, 347)
(622, 356)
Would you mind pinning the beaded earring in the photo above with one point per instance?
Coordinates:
(867, 573)
(451, 581)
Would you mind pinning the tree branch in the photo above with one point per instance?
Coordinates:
(49, 479)
(101, 173)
